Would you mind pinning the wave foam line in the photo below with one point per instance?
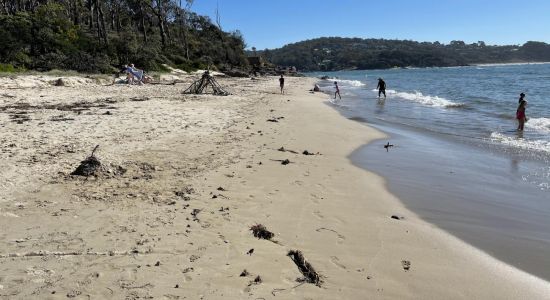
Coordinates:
(535, 145)
(418, 97)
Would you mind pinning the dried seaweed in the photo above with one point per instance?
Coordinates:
(310, 275)
(261, 232)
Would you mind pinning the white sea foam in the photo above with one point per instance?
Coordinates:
(535, 145)
(345, 82)
(424, 99)
(538, 124)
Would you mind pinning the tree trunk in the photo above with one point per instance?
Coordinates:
(142, 20)
(101, 21)
(160, 17)
(91, 8)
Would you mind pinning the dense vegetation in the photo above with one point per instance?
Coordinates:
(333, 53)
(102, 35)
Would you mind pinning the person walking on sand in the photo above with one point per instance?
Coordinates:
(282, 84)
(381, 87)
(521, 97)
(337, 90)
(520, 114)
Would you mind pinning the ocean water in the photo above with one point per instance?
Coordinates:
(475, 105)
(458, 161)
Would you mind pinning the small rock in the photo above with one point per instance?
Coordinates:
(285, 162)
(157, 264)
(396, 217)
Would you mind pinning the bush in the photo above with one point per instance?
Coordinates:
(9, 68)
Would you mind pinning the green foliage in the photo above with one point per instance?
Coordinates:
(71, 35)
(333, 53)
(8, 68)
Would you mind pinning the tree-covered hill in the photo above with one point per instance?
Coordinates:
(334, 53)
(101, 35)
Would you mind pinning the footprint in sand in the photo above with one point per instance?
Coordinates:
(341, 238)
(314, 198)
(318, 215)
(336, 261)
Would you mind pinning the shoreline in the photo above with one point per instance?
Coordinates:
(190, 243)
(449, 199)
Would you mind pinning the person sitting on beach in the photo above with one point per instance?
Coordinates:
(337, 90)
(282, 84)
(520, 115)
(381, 87)
(133, 75)
(521, 97)
(316, 88)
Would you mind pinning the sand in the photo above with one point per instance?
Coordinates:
(184, 179)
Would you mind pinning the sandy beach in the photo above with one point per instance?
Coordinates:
(186, 176)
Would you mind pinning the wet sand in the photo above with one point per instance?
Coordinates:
(186, 177)
(475, 193)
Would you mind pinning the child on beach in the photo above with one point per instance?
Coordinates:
(337, 90)
(520, 115)
(282, 84)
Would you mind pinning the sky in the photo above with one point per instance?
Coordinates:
(275, 23)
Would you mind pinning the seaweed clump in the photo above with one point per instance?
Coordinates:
(261, 232)
(310, 275)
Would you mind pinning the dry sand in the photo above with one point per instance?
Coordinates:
(200, 171)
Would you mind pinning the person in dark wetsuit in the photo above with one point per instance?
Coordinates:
(282, 84)
(381, 87)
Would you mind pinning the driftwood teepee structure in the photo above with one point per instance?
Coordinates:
(206, 85)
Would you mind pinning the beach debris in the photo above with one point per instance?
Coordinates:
(396, 217)
(258, 280)
(244, 273)
(221, 189)
(177, 286)
(406, 265)
(45, 253)
(282, 149)
(310, 153)
(157, 264)
(310, 275)
(91, 166)
(387, 146)
(59, 82)
(194, 213)
(206, 85)
(261, 232)
(285, 162)
(272, 120)
(139, 99)
(250, 251)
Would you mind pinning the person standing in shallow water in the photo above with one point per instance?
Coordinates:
(282, 84)
(520, 114)
(381, 87)
(521, 97)
(337, 90)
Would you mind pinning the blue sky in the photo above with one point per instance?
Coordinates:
(274, 23)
